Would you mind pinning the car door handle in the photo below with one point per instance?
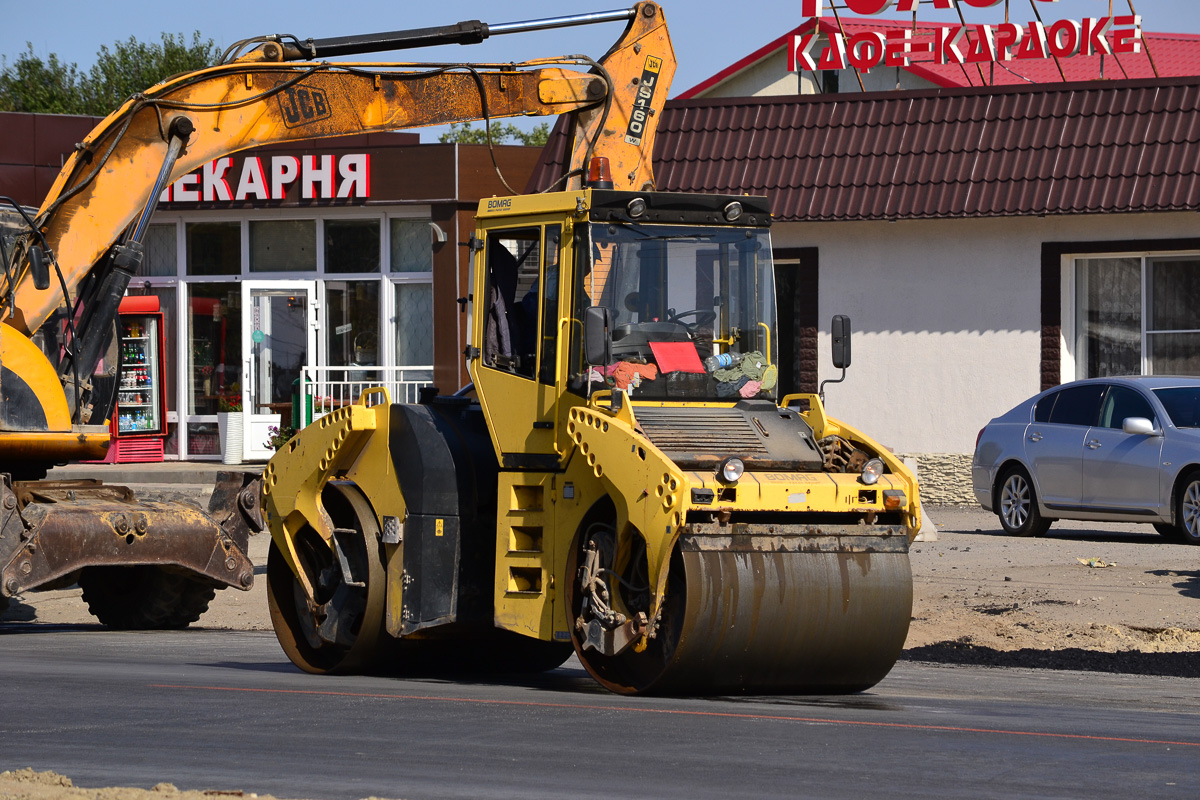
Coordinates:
(1094, 444)
(1037, 437)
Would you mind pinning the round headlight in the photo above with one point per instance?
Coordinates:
(731, 470)
(636, 207)
(733, 211)
(871, 471)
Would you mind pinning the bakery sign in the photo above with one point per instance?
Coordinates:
(955, 44)
(253, 178)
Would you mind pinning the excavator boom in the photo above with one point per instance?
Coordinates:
(261, 99)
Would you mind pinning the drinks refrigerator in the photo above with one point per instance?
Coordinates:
(139, 423)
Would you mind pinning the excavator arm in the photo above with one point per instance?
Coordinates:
(89, 228)
(260, 99)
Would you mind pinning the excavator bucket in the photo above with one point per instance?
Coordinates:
(142, 564)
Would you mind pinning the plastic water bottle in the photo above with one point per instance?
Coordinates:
(722, 361)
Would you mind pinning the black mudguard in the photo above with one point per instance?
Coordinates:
(447, 471)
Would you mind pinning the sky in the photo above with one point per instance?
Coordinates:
(708, 35)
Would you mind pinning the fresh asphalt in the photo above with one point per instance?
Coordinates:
(225, 710)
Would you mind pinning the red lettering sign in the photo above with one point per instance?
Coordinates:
(957, 44)
(320, 177)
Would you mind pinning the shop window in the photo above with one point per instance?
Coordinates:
(351, 245)
(412, 245)
(283, 245)
(352, 324)
(1125, 329)
(1173, 332)
(161, 257)
(414, 324)
(214, 248)
(214, 325)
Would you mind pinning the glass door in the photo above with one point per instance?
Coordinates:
(279, 330)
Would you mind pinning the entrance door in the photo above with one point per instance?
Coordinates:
(279, 336)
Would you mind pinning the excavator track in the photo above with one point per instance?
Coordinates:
(802, 612)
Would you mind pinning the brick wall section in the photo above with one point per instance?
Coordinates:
(945, 478)
(1051, 365)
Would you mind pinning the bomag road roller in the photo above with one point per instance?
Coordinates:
(620, 480)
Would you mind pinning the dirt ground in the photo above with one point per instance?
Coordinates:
(1092, 596)
(25, 784)
(1087, 596)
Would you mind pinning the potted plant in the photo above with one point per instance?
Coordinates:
(278, 436)
(230, 425)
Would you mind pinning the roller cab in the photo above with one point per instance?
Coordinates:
(623, 479)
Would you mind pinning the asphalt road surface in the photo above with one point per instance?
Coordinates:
(225, 710)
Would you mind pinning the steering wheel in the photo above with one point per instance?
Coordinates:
(703, 317)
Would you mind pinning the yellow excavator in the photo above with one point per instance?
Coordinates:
(621, 479)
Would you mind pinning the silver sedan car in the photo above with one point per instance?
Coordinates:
(1108, 449)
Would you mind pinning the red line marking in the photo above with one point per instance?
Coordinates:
(773, 717)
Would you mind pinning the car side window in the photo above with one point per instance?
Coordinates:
(1078, 405)
(1041, 413)
(1120, 403)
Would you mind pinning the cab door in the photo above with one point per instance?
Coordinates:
(514, 363)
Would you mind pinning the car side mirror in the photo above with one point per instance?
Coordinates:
(840, 331)
(597, 335)
(1139, 426)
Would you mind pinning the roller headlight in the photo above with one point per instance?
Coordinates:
(731, 470)
(871, 471)
(733, 211)
(636, 207)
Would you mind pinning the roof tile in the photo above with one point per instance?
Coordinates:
(1019, 149)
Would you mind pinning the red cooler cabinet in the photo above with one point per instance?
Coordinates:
(139, 423)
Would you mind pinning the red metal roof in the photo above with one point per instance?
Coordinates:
(1173, 54)
(1080, 148)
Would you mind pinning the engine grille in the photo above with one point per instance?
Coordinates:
(701, 432)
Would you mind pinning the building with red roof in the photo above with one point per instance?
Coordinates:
(766, 70)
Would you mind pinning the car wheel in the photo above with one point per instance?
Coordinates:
(1187, 509)
(1017, 507)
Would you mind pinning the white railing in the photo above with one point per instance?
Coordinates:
(324, 389)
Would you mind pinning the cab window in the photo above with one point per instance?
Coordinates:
(547, 372)
(510, 329)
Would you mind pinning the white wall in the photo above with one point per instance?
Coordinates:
(946, 316)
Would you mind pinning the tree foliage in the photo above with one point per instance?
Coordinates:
(465, 133)
(52, 86)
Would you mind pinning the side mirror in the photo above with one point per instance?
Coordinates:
(39, 269)
(1139, 426)
(597, 335)
(841, 341)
